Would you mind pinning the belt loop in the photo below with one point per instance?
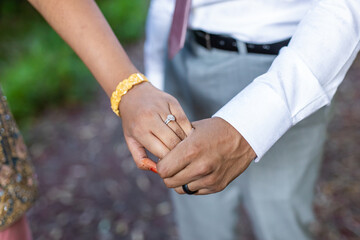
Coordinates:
(241, 47)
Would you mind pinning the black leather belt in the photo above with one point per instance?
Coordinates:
(210, 41)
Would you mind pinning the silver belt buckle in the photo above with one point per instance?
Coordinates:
(207, 41)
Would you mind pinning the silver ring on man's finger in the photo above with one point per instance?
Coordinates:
(169, 118)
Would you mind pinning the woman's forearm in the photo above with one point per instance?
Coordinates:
(81, 24)
(144, 108)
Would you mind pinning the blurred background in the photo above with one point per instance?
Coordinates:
(89, 186)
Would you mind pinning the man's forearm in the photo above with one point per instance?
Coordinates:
(81, 24)
(302, 79)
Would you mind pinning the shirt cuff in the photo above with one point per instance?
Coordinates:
(259, 114)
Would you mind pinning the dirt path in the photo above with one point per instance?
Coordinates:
(91, 189)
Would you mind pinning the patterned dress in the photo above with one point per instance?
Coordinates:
(18, 184)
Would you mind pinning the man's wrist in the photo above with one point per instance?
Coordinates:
(260, 120)
(239, 141)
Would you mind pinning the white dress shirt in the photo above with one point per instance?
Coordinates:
(302, 79)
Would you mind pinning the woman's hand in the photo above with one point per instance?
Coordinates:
(144, 110)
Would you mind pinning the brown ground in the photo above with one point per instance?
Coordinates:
(91, 189)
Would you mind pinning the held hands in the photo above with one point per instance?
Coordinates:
(144, 109)
(206, 158)
(212, 156)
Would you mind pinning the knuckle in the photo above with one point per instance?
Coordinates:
(204, 169)
(192, 152)
(168, 183)
(211, 181)
(197, 145)
(162, 171)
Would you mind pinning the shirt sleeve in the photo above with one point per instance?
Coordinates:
(302, 79)
(157, 30)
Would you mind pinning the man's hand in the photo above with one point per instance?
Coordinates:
(212, 156)
(143, 110)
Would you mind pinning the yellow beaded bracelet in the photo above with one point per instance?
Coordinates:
(123, 87)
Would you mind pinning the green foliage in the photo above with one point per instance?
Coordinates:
(7, 8)
(126, 17)
(48, 74)
(38, 70)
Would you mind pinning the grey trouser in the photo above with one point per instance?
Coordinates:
(278, 191)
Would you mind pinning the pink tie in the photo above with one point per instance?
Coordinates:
(178, 27)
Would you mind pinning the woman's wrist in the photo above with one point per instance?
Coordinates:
(123, 87)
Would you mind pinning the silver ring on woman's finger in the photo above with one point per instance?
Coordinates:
(169, 118)
(187, 190)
